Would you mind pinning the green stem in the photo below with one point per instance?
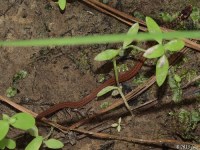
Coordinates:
(125, 101)
(136, 47)
(116, 71)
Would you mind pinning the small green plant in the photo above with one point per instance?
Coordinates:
(166, 17)
(117, 125)
(12, 91)
(160, 51)
(185, 122)
(112, 54)
(21, 121)
(188, 121)
(19, 76)
(26, 122)
(174, 83)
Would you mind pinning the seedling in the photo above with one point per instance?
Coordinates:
(20, 121)
(117, 125)
(19, 76)
(26, 122)
(174, 83)
(160, 51)
(112, 54)
(188, 121)
(12, 91)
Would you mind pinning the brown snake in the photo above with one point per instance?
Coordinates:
(123, 77)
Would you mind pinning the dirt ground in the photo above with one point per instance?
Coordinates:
(68, 73)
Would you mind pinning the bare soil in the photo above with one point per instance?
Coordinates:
(68, 73)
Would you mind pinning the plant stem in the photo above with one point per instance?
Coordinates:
(136, 47)
(125, 101)
(118, 85)
(116, 71)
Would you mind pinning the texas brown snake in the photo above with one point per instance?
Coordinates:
(123, 77)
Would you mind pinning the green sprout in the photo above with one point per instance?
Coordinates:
(175, 85)
(26, 122)
(112, 54)
(117, 125)
(189, 121)
(19, 76)
(12, 91)
(160, 50)
(20, 121)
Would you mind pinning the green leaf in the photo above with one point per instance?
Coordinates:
(107, 55)
(35, 143)
(62, 4)
(133, 30)
(11, 92)
(33, 131)
(3, 144)
(162, 67)
(10, 144)
(153, 28)
(174, 45)
(154, 51)
(106, 90)
(23, 121)
(4, 127)
(54, 144)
